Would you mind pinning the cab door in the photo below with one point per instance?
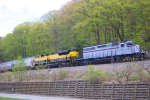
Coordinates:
(121, 50)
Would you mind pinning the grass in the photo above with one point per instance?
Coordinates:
(5, 98)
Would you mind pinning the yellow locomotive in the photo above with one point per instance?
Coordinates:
(62, 57)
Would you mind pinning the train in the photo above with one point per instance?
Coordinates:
(111, 52)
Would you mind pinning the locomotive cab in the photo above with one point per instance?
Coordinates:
(64, 52)
(131, 48)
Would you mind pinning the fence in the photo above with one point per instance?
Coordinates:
(81, 89)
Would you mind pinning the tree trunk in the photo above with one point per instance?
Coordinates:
(97, 36)
(122, 29)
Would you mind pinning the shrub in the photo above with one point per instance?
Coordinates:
(95, 75)
(134, 78)
(143, 76)
(133, 71)
(19, 69)
(63, 74)
(120, 76)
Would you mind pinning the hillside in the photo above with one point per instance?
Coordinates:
(78, 24)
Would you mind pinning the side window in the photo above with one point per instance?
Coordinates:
(130, 44)
(89, 49)
(122, 45)
(101, 46)
(115, 44)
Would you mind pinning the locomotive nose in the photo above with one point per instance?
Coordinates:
(137, 49)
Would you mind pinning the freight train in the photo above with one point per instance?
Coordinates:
(111, 52)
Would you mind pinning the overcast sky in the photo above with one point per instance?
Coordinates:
(14, 12)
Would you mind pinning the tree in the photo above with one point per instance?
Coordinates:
(81, 23)
(9, 46)
(1, 51)
(19, 69)
(38, 39)
(20, 33)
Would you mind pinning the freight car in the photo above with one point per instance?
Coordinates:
(7, 66)
(111, 52)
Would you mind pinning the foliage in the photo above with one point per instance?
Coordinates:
(78, 24)
(1, 51)
(19, 69)
(95, 75)
(132, 72)
(63, 74)
(141, 73)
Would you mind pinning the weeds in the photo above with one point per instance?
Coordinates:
(63, 74)
(95, 75)
(19, 69)
(133, 71)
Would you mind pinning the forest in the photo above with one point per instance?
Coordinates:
(78, 24)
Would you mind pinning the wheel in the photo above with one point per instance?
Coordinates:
(142, 57)
(86, 62)
(112, 60)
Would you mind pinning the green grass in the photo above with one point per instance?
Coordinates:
(5, 98)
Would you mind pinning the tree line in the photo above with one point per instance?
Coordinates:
(78, 24)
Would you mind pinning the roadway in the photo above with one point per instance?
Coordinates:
(36, 97)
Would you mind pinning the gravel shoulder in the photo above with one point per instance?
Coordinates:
(106, 67)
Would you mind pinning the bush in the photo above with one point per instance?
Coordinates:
(95, 75)
(134, 78)
(143, 76)
(19, 69)
(63, 74)
(133, 72)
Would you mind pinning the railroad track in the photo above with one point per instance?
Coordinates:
(106, 67)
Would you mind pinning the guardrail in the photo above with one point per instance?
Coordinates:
(81, 89)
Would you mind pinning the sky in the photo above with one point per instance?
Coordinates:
(15, 12)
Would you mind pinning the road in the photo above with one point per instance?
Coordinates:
(35, 97)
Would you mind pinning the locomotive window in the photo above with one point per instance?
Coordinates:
(115, 44)
(74, 50)
(42, 55)
(89, 49)
(64, 52)
(101, 46)
(122, 45)
(130, 44)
